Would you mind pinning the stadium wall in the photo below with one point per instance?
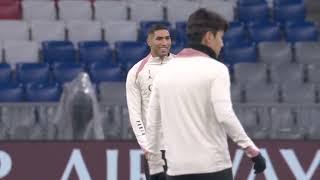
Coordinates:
(121, 160)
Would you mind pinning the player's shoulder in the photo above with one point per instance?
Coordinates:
(135, 67)
(215, 63)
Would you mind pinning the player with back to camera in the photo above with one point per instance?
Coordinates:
(190, 103)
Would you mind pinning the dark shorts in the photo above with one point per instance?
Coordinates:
(220, 175)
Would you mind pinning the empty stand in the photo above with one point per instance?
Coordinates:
(113, 93)
(46, 114)
(178, 11)
(127, 131)
(5, 73)
(224, 8)
(100, 72)
(84, 31)
(146, 10)
(14, 30)
(20, 51)
(26, 128)
(245, 53)
(74, 10)
(290, 12)
(314, 73)
(176, 48)
(262, 93)
(250, 73)
(254, 125)
(58, 51)
(48, 31)
(113, 97)
(298, 94)
(120, 31)
(10, 10)
(129, 52)
(250, 2)
(236, 91)
(235, 34)
(313, 124)
(112, 122)
(181, 32)
(28, 73)
(66, 72)
(106, 11)
(256, 12)
(301, 31)
(287, 73)
(264, 32)
(95, 51)
(44, 92)
(39, 10)
(11, 93)
(285, 2)
(285, 124)
(307, 52)
(275, 53)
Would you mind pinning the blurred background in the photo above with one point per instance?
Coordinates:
(272, 49)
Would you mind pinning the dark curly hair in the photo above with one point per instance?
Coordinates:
(202, 21)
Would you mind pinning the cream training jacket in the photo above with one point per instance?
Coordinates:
(138, 89)
(190, 103)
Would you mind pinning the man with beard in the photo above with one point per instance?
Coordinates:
(139, 87)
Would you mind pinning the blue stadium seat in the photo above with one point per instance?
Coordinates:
(235, 34)
(65, 72)
(100, 72)
(128, 52)
(182, 25)
(257, 12)
(301, 31)
(58, 51)
(290, 12)
(264, 32)
(5, 73)
(181, 32)
(95, 51)
(176, 48)
(238, 43)
(233, 55)
(250, 2)
(43, 92)
(11, 93)
(32, 73)
(146, 25)
(285, 2)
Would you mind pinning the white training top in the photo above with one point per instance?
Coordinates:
(190, 103)
(138, 90)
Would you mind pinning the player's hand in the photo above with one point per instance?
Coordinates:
(252, 151)
(259, 163)
(159, 176)
(146, 153)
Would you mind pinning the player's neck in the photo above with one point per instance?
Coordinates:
(204, 49)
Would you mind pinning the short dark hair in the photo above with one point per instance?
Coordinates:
(202, 21)
(156, 27)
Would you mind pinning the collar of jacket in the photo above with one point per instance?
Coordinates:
(204, 49)
(158, 60)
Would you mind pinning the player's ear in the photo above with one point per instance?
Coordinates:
(207, 37)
